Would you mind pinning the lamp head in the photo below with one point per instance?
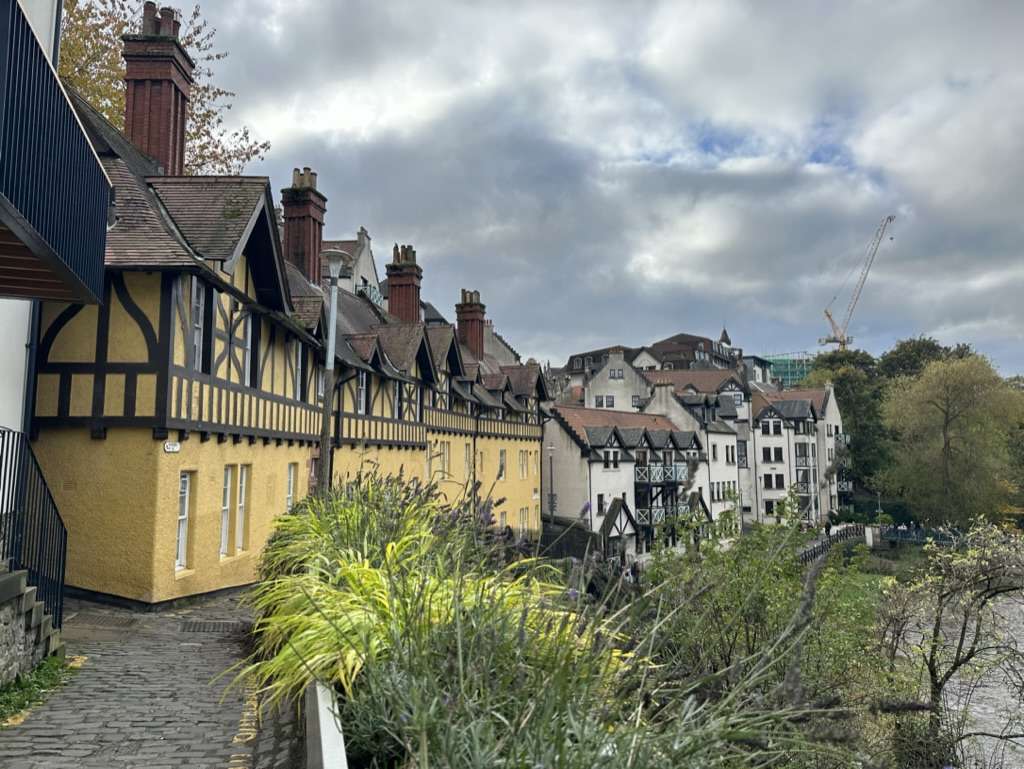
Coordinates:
(335, 258)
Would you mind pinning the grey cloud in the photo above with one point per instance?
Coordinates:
(604, 173)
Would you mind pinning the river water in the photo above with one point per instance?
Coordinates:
(993, 705)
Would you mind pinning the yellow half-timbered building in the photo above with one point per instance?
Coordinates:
(180, 416)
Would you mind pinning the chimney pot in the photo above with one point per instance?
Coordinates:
(149, 22)
(304, 208)
(404, 278)
(470, 321)
(158, 80)
(167, 21)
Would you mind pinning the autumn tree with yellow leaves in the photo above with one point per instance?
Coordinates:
(91, 64)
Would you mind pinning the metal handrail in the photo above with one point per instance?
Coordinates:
(32, 534)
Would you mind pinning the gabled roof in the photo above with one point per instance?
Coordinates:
(141, 236)
(576, 419)
(167, 222)
(796, 409)
(818, 396)
(610, 525)
(214, 213)
(526, 380)
(701, 380)
(402, 343)
(443, 347)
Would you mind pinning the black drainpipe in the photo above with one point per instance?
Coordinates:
(32, 349)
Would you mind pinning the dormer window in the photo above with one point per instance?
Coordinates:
(577, 363)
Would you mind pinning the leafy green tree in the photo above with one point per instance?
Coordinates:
(91, 64)
(908, 357)
(858, 389)
(951, 629)
(952, 428)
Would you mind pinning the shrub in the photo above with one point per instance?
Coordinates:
(444, 654)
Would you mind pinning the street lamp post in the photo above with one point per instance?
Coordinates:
(552, 497)
(334, 261)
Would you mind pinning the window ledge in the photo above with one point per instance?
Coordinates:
(184, 573)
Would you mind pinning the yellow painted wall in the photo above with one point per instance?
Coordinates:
(119, 500)
(105, 493)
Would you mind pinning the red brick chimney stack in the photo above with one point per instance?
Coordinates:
(404, 277)
(158, 77)
(304, 208)
(469, 314)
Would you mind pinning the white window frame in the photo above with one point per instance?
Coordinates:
(184, 502)
(609, 401)
(246, 349)
(321, 383)
(289, 498)
(502, 459)
(225, 510)
(198, 293)
(362, 385)
(298, 370)
(240, 507)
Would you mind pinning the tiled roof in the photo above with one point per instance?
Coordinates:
(307, 299)
(494, 381)
(523, 378)
(357, 315)
(401, 342)
(440, 338)
(363, 345)
(795, 408)
(816, 395)
(469, 362)
(141, 236)
(702, 380)
(212, 212)
(579, 419)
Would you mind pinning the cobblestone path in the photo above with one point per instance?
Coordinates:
(148, 696)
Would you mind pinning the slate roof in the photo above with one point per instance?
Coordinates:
(357, 315)
(212, 212)
(142, 236)
(578, 419)
(598, 436)
(431, 315)
(816, 395)
(400, 342)
(726, 407)
(439, 338)
(702, 380)
(307, 299)
(795, 409)
(494, 381)
(616, 508)
(363, 345)
(685, 437)
(525, 379)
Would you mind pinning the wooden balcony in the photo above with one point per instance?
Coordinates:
(54, 193)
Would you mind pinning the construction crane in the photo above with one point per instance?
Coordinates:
(839, 335)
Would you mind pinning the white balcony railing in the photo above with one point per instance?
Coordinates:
(661, 473)
(652, 516)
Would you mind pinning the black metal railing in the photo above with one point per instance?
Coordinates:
(822, 546)
(48, 170)
(32, 534)
(917, 536)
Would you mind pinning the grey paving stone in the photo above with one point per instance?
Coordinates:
(150, 696)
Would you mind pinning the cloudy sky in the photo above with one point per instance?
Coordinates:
(620, 171)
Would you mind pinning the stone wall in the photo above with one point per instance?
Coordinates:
(26, 631)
